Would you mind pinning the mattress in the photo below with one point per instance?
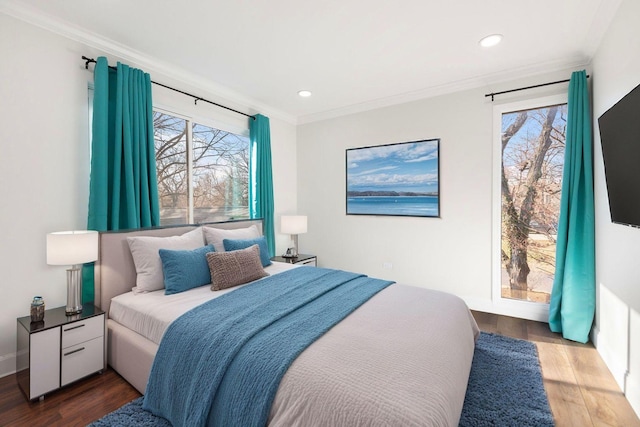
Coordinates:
(402, 358)
(149, 314)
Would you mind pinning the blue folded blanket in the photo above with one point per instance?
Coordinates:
(221, 363)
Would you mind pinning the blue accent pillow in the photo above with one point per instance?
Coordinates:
(237, 244)
(184, 270)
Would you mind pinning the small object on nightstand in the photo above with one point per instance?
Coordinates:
(291, 253)
(37, 309)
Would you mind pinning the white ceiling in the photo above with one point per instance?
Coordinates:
(352, 54)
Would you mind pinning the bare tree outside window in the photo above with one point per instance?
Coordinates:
(170, 134)
(221, 174)
(219, 171)
(533, 143)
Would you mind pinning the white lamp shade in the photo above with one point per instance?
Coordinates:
(72, 247)
(293, 224)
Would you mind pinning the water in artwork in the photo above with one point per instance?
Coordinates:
(397, 205)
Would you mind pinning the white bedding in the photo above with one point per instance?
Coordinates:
(149, 314)
(402, 358)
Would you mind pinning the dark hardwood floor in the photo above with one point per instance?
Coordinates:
(581, 390)
(78, 404)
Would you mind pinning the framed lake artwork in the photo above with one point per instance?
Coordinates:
(401, 179)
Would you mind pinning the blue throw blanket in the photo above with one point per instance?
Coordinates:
(221, 363)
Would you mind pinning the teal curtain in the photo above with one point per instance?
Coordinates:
(261, 178)
(123, 191)
(573, 296)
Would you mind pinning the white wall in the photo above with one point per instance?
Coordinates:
(452, 253)
(616, 70)
(44, 167)
(44, 161)
(429, 252)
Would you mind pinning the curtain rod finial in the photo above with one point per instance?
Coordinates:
(87, 62)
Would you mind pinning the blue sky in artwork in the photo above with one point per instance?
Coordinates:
(410, 166)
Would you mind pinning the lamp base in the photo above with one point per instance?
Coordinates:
(74, 290)
(292, 252)
(70, 311)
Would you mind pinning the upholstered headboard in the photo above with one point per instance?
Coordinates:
(115, 272)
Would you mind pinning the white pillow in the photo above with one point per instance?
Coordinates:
(146, 256)
(215, 236)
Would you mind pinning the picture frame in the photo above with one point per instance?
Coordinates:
(399, 179)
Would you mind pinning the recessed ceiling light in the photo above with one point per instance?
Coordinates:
(304, 93)
(491, 40)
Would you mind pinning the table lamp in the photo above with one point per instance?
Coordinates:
(294, 225)
(72, 248)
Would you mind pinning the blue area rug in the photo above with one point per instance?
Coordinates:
(505, 389)
(505, 385)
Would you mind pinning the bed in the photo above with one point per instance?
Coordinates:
(401, 358)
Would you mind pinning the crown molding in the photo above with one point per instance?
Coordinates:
(605, 14)
(208, 88)
(449, 88)
(236, 100)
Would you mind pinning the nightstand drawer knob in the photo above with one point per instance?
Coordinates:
(74, 351)
(75, 327)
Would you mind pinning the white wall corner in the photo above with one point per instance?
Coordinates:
(617, 366)
(632, 381)
(632, 391)
(7, 364)
(627, 380)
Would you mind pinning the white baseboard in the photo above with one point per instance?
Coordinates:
(7, 364)
(627, 381)
(633, 392)
(617, 366)
(519, 309)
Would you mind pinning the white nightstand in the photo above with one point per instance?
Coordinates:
(59, 350)
(301, 259)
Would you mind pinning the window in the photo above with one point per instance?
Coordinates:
(203, 172)
(531, 148)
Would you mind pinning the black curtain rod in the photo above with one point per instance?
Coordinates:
(525, 88)
(196, 98)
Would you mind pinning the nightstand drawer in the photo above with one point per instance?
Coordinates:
(82, 330)
(81, 360)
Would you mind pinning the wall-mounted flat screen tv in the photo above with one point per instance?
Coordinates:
(620, 139)
(395, 179)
